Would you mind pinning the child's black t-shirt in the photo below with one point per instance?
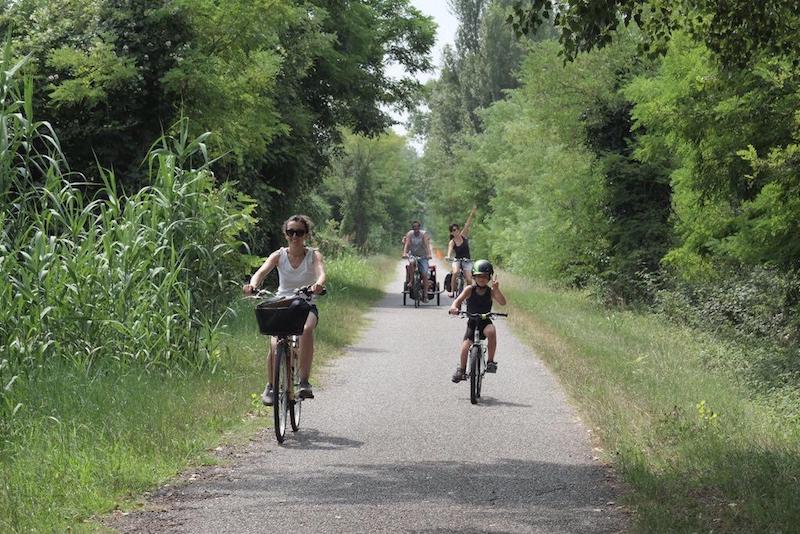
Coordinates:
(477, 303)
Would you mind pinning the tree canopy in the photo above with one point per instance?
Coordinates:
(274, 80)
(736, 31)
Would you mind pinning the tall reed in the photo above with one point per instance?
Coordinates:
(92, 277)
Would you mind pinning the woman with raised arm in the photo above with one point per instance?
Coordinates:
(458, 250)
(298, 266)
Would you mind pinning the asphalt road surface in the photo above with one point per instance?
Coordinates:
(390, 444)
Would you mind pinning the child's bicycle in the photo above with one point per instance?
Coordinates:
(461, 279)
(284, 318)
(476, 359)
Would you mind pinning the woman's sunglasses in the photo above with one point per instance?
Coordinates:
(291, 232)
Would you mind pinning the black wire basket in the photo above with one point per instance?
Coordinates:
(283, 317)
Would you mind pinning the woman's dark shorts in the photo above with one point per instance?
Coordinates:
(471, 324)
(315, 311)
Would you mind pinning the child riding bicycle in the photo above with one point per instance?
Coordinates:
(479, 297)
(297, 266)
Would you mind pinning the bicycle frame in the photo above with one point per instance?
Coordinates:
(477, 355)
(476, 369)
(461, 280)
(286, 347)
(285, 373)
(416, 288)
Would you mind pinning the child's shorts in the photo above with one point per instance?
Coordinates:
(471, 324)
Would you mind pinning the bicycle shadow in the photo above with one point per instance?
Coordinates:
(368, 350)
(394, 300)
(492, 402)
(312, 439)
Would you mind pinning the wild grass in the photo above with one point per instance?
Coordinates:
(700, 448)
(87, 444)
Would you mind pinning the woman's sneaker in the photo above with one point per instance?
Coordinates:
(458, 376)
(491, 367)
(305, 391)
(268, 397)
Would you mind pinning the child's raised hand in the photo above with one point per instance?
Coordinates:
(495, 283)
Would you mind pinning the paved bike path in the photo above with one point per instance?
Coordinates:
(391, 445)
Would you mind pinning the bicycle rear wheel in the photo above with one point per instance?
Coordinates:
(474, 374)
(294, 414)
(280, 406)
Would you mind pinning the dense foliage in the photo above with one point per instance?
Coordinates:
(373, 191)
(648, 179)
(737, 31)
(91, 277)
(475, 72)
(273, 80)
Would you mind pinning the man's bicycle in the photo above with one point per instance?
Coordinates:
(461, 280)
(476, 359)
(284, 318)
(414, 286)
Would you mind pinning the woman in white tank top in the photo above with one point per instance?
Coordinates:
(297, 266)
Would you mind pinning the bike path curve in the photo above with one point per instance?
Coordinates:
(390, 444)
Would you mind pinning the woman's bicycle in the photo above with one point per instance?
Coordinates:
(476, 359)
(461, 279)
(284, 318)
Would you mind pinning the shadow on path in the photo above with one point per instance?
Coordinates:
(534, 493)
(312, 439)
(488, 402)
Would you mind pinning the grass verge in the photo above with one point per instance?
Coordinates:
(87, 442)
(676, 411)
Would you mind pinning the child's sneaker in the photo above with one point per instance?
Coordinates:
(458, 376)
(491, 367)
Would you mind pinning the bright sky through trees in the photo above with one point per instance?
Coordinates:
(445, 34)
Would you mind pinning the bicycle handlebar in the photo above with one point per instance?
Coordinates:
(490, 315)
(457, 259)
(304, 292)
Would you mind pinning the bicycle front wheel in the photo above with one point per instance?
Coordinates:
(417, 290)
(459, 285)
(481, 372)
(474, 374)
(295, 404)
(280, 406)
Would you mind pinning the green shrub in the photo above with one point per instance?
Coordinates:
(759, 302)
